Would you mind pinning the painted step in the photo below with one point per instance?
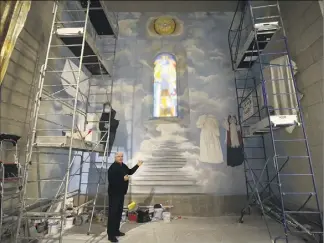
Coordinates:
(163, 183)
(161, 173)
(161, 178)
(166, 153)
(165, 164)
(168, 159)
(167, 149)
(162, 169)
(163, 160)
(180, 189)
(153, 166)
(153, 162)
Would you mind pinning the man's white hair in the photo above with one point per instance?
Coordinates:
(118, 154)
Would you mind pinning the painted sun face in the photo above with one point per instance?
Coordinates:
(164, 25)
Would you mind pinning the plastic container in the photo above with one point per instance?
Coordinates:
(69, 222)
(158, 212)
(132, 217)
(53, 229)
(166, 217)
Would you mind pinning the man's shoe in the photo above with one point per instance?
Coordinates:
(112, 239)
(120, 234)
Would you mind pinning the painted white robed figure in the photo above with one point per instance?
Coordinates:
(210, 147)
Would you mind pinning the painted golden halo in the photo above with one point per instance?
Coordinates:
(164, 25)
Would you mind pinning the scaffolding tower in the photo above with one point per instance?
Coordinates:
(272, 123)
(65, 140)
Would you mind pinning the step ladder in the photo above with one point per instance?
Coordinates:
(10, 176)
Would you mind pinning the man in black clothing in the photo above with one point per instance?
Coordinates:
(118, 175)
(105, 120)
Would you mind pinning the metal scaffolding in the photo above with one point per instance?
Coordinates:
(271, 118)
(65, 141)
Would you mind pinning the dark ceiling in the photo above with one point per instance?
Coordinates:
(171, 6)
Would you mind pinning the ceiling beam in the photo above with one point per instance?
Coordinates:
(171, 6)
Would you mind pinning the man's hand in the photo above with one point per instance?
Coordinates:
(106, 125)
(126, 178)
(140, 162)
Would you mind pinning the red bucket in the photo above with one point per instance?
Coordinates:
(132, 217)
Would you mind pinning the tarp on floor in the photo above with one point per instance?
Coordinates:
(13, 16)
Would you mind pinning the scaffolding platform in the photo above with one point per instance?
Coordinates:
(64, 142)
(73, 37)
(276, 122)
(98, 17)
(248, 55)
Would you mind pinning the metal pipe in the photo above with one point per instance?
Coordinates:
(33, 137)
(73, 119)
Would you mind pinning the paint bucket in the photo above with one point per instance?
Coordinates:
(158, 213)
(53, 229)
(166, 217)
(132, 217)
(69, 210)
(53, 221)
(69, 222)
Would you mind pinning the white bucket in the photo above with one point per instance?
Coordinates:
(53, 221)
(69, 222)
(53, 229)
(166, 217)
(158, 213)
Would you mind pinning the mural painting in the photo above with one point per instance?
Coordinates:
(172, 96)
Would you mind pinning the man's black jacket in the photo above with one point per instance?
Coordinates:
(116, 173)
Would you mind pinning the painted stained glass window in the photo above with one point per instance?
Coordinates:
(165, 86)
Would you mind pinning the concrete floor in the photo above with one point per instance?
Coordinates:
(185, 230)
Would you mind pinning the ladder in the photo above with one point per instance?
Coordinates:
(266, 182)
(100, 98)
(60, 133)
(10, 176)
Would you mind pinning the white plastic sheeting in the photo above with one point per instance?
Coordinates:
(279, 85)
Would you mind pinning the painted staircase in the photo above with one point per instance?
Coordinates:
(163, 174)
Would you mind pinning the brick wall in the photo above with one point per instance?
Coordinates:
(303, 22)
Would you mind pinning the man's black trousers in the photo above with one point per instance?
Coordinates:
(115, 211)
